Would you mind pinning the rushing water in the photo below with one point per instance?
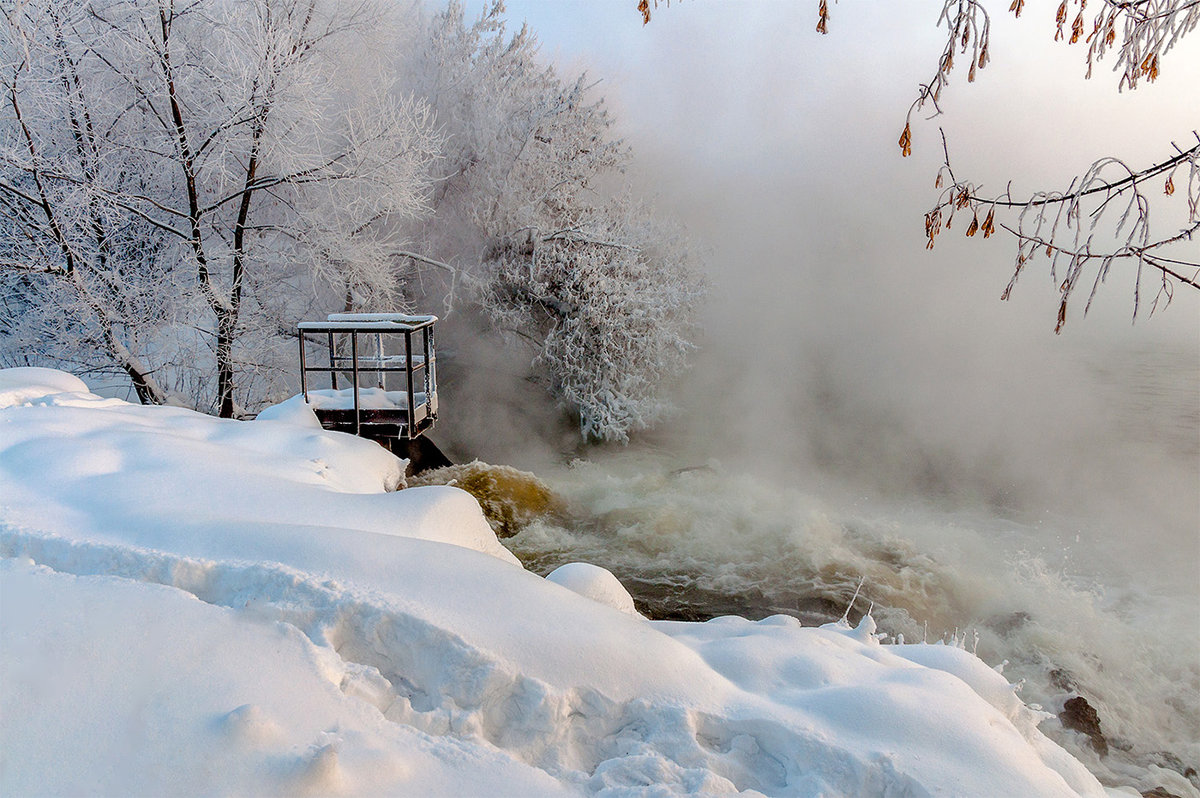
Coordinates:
(1055, 595)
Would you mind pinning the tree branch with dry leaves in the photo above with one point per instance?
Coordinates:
(1103, 216)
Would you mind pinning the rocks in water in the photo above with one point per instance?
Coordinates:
(422, 454)
(1159, 792)
(1169, 761)
(1078, 715)
(1011, 622)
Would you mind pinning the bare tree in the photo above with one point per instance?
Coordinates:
(1103, 216)
(180, 179)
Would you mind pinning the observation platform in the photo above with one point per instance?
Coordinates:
(382, 373)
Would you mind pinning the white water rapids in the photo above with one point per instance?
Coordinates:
(1059, 594)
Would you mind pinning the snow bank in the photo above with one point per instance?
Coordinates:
(177, 696)
(291, 411)
(27, 385)
(193, 605)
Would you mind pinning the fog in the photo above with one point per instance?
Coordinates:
(837, 348)
(861, 411)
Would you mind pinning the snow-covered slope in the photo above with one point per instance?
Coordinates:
(191, 605)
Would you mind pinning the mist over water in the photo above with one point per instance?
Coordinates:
(1075, 600)
(857, 414)
(862, 411)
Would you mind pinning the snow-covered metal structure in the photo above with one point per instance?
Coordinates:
(388, 367)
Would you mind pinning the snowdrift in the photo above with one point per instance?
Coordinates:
(193, 605)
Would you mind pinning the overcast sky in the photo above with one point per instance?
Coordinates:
(715, 91)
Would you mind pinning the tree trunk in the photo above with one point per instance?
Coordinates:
(225, 335)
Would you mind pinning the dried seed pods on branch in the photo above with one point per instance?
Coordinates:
(1103, 217)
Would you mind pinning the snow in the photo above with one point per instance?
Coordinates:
(25, 385)
(292, 411)
(368, 398)
(399, 318)
(193, 605)
(595, 583)
(141, 689)
(382, 322)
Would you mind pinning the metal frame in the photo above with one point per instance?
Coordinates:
(412, 419)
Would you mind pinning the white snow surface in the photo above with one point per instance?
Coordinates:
(191, 605)
(596, 583)
(368, 398)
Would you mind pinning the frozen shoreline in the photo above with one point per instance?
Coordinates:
(197, 605)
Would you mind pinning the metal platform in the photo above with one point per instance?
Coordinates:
(388, 365)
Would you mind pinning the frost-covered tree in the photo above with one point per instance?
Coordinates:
(532, 205)
(181, 179)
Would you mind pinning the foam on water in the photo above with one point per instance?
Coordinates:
(694, 543)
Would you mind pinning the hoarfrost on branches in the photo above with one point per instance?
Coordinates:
(566, 258)
(181, 181)
(610, 309)
(1102, 217)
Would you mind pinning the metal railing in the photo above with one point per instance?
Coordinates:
(344, 331)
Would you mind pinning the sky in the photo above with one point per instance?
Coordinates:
(713, 92)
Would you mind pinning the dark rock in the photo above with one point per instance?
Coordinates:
(1078, 715)
(1165, 759)
(1159, 792)
(422, 454)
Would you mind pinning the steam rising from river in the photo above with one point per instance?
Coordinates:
(863, 410)
(856, 415)
(709, 541)
(860, 414)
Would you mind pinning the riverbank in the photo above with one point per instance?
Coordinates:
(200, 605)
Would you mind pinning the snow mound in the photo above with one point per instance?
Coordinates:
(595, 583)
(25, 385)
(292, 411)
(164, 477)
(180, 697)
(200, 606)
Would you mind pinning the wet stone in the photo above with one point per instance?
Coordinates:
(1159, 792)
(1011, 622)
(1078, 715)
